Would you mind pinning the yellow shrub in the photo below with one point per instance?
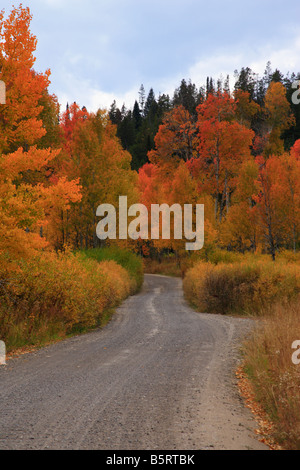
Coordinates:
(61, 293)
(243, 287)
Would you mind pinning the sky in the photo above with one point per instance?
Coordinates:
(103, 50)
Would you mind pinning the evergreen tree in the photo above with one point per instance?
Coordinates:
(126, 130)
(115, 114)
(291, 135)
(268, 75)
(227, 85)
(246, 81)
(142, 97)
(164, 105)
(138, 127)
(136, 114)
(277, 76)
(187, 96)
(210, 88)
(149, 102)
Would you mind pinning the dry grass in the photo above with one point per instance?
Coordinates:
(276, 380)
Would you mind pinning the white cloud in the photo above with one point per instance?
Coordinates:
(86, 94)
(215, 67)
(222, 64)
(218, 65)
(285, 59)
(100, 99)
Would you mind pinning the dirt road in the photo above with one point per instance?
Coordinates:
(159, 376)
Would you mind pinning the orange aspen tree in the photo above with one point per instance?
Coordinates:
(23, 197)
(223, 144)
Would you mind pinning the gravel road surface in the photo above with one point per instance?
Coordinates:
(160, 376)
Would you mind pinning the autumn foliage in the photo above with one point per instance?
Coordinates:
(57, 167)
(248, 286)
(51, 295)
(54, 172)
(251, 200)
(226, 152)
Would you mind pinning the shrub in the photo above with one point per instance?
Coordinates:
(244, 287)
(271, 290)
(216, 256)
(55, 295)
(127, 259)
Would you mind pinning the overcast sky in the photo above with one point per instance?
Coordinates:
(101, 50)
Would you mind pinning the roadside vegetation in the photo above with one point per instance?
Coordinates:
(52, 296)
(236, 153)
(253, 285)
(131, 262)
(55, 168)
(222, 282)
(275, 379)
(246, 287)
(166, 266)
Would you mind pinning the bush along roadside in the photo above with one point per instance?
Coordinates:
(270, 292)
(243, 288)
(52, 296)
(132, 263)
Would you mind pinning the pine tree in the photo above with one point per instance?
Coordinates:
(246, 81)
(149, 102)
(187, 96)
(136, 114)
(142, 97)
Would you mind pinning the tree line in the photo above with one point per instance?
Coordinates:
(237, 152)
(138, 126)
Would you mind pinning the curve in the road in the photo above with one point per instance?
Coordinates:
(159, 376)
